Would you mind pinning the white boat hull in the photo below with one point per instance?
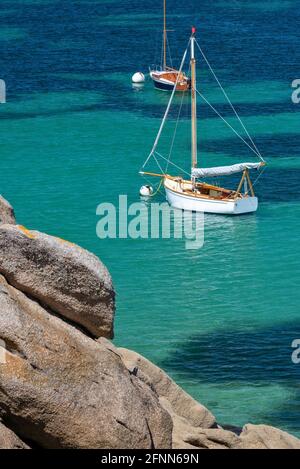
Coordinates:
(230, 207)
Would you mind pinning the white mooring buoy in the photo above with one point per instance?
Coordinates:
(138, 77)
(146, 191)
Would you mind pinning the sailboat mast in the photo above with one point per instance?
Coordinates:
(165, 36)
(194, 100)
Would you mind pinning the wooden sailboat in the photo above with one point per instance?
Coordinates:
(166, 77)
(195, 195)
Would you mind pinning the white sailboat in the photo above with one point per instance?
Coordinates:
(193, 193)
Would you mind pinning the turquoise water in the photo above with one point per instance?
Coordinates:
(74, 133)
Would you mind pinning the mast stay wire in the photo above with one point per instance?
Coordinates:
(162, 52)
(173, 164)
(183, 95)
(229, 101)
(227, 123)
(168, 108)
(175, 131)
(169, 50)
(157, 41)
(158, 164)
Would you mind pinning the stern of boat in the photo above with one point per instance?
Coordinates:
(246, 205)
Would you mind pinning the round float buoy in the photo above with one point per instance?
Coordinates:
(138, 77)
(146, 191)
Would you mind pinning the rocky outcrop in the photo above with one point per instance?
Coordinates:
(64, 277)
(61, 389)
(8, 440)
(186, 436)
(173, 396)
(7, 214)
(265, 437)
(194, 427)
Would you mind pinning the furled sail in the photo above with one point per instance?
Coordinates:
(223, 170)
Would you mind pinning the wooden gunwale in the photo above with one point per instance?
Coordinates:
(190, 193)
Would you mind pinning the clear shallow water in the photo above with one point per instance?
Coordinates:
(220, 320)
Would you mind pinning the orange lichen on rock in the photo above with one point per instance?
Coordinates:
(64, 241)
(26, 232)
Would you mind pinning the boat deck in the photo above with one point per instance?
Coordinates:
(201, 190)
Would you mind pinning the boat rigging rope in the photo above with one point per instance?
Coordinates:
(227, 123)
(256, 180)
(163, 173)
(156, 55)
(230, 103)
(176, 126)
(169, 50)
(171, 162)
(162, 53)
(175, 132)
(158, 188)
(168, 108)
